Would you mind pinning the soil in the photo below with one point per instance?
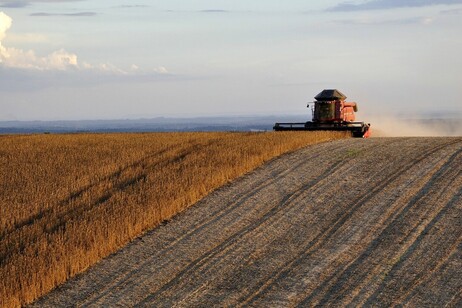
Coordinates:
(373, 222)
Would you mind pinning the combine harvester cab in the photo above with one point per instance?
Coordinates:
(330, 113)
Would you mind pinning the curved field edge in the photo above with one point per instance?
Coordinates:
(348, 223)
(67, 201)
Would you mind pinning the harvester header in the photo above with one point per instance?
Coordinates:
(330, 112)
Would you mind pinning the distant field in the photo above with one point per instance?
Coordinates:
(67, 201)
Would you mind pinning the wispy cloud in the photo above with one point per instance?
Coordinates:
(204, 11)
(452, 12)
(213, 11)
(388, 4)
(391, 22)
(79, 14)
(16, 4)
(22, 3)
(130, 6)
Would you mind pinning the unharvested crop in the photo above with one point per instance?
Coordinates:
(67, 201)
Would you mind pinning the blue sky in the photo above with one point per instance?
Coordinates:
(131, 59)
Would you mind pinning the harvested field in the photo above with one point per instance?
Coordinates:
(362, 222)
(67, 201)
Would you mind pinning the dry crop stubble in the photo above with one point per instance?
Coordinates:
(67, 201)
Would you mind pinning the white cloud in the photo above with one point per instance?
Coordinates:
(59, 60)
(27, 59)
(5, 24)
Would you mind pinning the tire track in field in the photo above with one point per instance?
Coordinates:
(409, 256)
(337, 224)
(123, 181)
(395, 217)
(303, 230)
(89, 295)
(286, 204)
(435, 288)
(62, 212)
(148, 161)
(232, 240)
(422, 156)
(79, 192)
(214, 217)
(335, 291)
(256, 225)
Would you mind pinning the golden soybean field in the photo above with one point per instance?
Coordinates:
(67, 201)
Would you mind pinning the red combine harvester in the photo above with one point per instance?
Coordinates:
(330, 112)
